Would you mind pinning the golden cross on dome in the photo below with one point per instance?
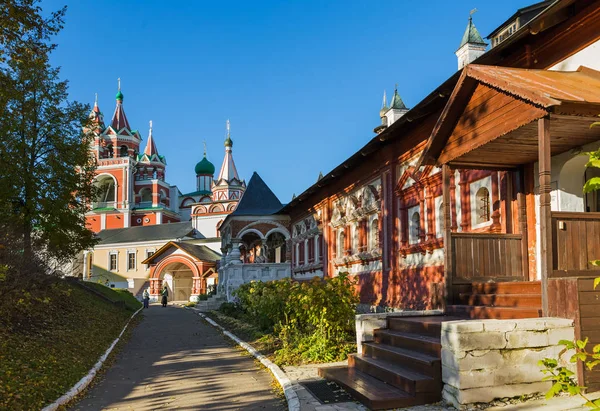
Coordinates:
(228, 128)
(119, 81)
(204, 142)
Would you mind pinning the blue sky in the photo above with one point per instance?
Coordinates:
(300, 81)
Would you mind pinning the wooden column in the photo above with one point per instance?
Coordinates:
(544, 154)
(448, 251)
(465, 202)
(522, 220)
(453, 201)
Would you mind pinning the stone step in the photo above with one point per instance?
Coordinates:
(431, 326)
(501, 300)
(423, 343)
(422, 363)
(500, 313)
(509, 287)
(374, 393)
(398, 376)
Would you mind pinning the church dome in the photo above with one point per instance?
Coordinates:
(119, 95)
(205, 167)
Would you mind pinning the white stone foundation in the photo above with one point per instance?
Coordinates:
(483, 360)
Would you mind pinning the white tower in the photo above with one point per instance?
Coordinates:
(472, 45)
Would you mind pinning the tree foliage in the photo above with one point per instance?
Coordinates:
(45, 165)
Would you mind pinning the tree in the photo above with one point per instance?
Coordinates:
(46, 169)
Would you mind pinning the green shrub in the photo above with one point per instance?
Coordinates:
(314, 320)
(202, 297)
(230, 309)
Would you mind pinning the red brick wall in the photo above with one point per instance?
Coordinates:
(409, 288)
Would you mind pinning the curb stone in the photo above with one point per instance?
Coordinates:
(85, 381)
(289, 389)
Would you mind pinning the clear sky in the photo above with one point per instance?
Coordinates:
(301, 81)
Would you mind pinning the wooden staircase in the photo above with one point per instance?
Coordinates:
(502, 300)
(401, 367)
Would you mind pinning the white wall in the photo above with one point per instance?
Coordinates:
(589, 57)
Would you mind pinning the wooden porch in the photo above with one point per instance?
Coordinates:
(516, 120)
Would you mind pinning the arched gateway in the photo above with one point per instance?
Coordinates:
(186, 269)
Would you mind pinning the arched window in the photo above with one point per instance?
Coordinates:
(154, 173)
(483, 205)
(374, 235)
(341, 243)
(105, 186)
(163, 197)
(123, 151)
(414, 228)
(109, 151)
(146, 195)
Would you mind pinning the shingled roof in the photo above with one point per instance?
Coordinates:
(148, 233)
(258, 199)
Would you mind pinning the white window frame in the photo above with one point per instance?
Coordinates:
(149, 250)
(116, 254)
(411, 226)
(130, 252)
(473, 189)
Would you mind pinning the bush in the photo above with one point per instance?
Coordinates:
(314, 320)
(230, 309)
(203, 297)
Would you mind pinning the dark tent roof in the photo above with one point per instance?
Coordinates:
(201, 252)
(258, 199)
(148, 233)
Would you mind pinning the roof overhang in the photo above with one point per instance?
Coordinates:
(488, 121)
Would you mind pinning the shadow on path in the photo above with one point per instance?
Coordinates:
(175, 361)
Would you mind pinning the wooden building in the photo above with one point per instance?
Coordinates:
(478, 185)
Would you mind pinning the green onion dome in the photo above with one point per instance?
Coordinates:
(119, 95)
(205, 167)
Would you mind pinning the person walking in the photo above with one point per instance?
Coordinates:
(165, 294)
(146, 298)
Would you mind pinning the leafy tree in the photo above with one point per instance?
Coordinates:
(45, 165)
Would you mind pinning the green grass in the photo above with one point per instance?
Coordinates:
(52, 341)
(266, 343)
(117, 294)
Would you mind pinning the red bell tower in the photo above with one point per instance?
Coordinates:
(131, 187)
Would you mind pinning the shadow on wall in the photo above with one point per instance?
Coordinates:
(413, 289)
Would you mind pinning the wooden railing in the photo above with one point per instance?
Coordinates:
(575, 243)
(480, 257)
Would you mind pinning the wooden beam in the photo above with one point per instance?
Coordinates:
(522, 220)
(448, 250)
(544, 155)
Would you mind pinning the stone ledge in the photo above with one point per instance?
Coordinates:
(458, 398)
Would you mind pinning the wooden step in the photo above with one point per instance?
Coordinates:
(374, 393)
(500, 313)
(431, 326)
(414, 360)
(510, 287)
(502, 300)
(397, 375)
(422, 343)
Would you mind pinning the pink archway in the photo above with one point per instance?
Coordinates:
(157, 274)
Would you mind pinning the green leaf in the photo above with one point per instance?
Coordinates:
(593, 184)
(597, 280)
(593, 163)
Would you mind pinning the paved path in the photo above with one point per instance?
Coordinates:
(174, 361)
